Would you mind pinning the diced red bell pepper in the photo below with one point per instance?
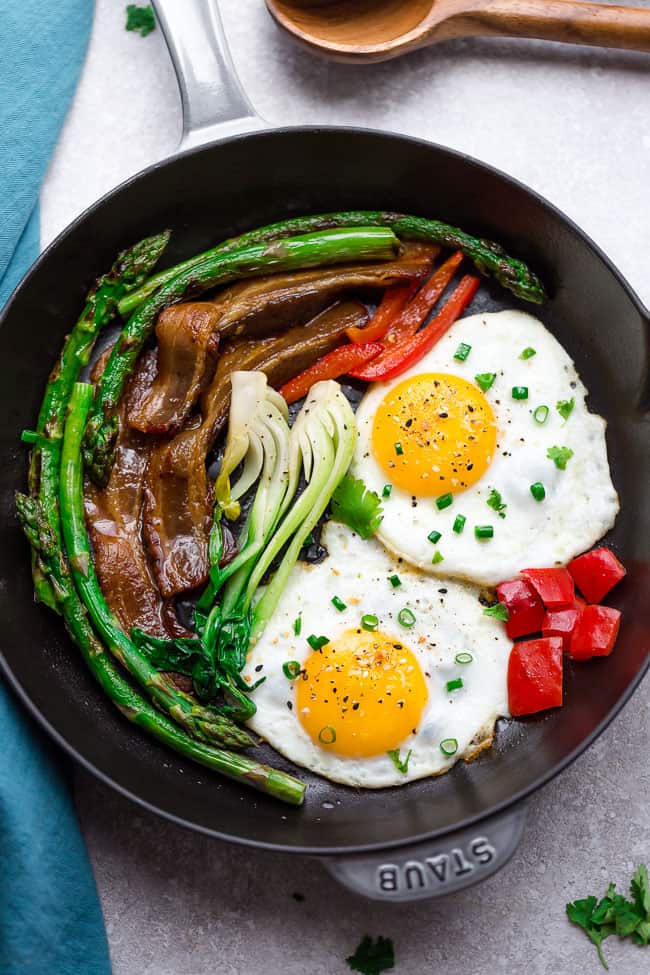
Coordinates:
(400, 357)
(388, 310)
(554, 586)
(339, 362)
(595, 632)
(596, 572)
(525, 608)
(561, 622)
(535, 676)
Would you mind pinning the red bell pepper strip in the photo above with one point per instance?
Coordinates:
(339, 362)
(535, 676)
(405, 354)
(561, 622)
(554, 586)
(595, 632)
(525, 608)
(388, 310)
(596, 572)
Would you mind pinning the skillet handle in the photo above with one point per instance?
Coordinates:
(434, 868)
(213, 100)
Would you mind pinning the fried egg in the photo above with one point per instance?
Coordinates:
(365, 656)
(458, 448)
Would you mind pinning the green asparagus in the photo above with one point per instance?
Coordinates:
(238, 767)
(489, 257)
(201, 723)
(311, 250)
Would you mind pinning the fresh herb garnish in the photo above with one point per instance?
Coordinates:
(434, 537)
(462, 351)
(386, 490)
(565, 407)
(464, 658)
(357, 507)
(444, 501)
(402, 765)
(454, 685)
(372, 957)
(496, 503)
(528, 353)
(297, 625)
(399, 450)
(449, 746)
(406, 617)
(560, 456)
(317, 642)
(540, 414)
(538, 491)
(327, 735)
(140, 19)
(438, 557)
(395, 581)
(291, 669)
(520, 392)
(369, 622)
(338, 603)
(483, 531)
(615, 914)
(499, 611)
(459, 524)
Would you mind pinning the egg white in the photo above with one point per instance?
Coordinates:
(581, 502)
(449, 620)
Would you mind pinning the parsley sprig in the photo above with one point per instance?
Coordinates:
(357, 507)
(560, 456)
(372, 957)
(615, 914)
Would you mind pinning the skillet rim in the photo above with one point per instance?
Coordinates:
(469, 821)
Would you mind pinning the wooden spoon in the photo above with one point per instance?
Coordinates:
(376, 30)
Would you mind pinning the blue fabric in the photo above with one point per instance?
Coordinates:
(50, 919)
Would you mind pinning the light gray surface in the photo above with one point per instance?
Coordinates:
(574, 125)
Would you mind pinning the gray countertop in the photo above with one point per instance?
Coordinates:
(573, 124)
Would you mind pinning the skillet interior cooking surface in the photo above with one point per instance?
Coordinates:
(226, 188)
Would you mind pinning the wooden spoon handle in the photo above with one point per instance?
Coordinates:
(570, 21)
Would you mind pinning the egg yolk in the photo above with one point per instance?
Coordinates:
(361, 695)
(434, 434)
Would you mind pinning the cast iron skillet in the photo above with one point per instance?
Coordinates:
(431, 836)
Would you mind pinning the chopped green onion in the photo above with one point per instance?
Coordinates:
(495, 502)
(520, 392)
(462, 351)
(399, 450)
(395, 581)
(291, 669)
(402, 765)
(297, 625)
(438, 557)
(338, 604)
(560, 456)
(485, 380)
(30, 436)
(327, 735)
(540, 415)
(565, 407)
(317, 642)
(538, 491)
(385, 491)
(406, 618)
(499, 612)
(459, 524)
(449, 746)
(455, 685)
(444, 501)
(483, 531)
(369, 622)
(528, 353)
(434, 536)
(463, 658)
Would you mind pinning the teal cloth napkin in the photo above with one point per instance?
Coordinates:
(50, 919)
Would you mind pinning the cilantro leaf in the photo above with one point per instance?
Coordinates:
(140, 19)
(499, 611)
(615, 914)
(372, 957)
(357, 507)
(560, 455)
(402, 765)
(496, 503)
(565, 407)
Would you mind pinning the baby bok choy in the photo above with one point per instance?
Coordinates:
(319, 446)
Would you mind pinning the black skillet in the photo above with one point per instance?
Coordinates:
(429, 837)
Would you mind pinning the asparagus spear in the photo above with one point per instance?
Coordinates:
(311, 250)
(129, 270)
(489, 257)
(238, 767)
(201, 723)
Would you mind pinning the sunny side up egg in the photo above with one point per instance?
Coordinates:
(393, 687)
(450, 453)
